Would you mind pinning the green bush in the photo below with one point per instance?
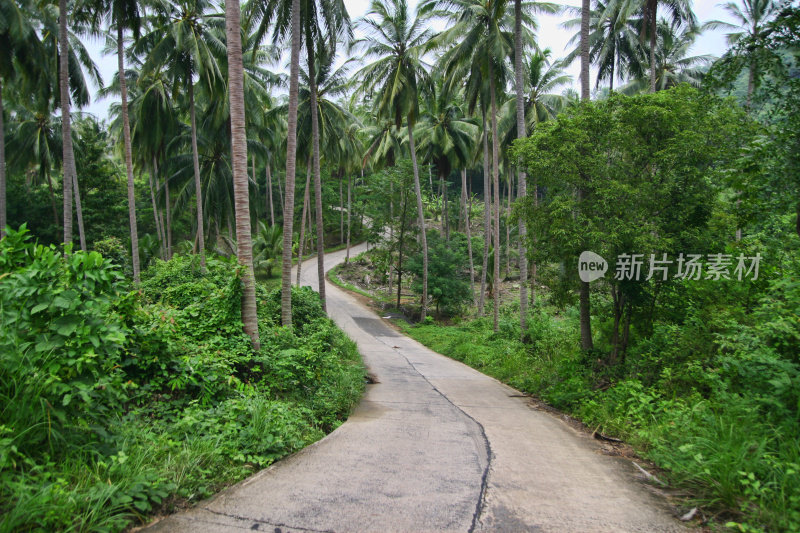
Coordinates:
(114, 404)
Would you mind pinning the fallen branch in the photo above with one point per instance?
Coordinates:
(648, 475)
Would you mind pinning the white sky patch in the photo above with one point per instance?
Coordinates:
(550, 35)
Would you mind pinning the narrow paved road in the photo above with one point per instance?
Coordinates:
(433, 446)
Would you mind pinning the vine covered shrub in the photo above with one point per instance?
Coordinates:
(63, 330)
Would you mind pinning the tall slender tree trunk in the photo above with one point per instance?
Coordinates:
(487, 217)
(521, 178)
(302, 240)
(585, 310)
(446, 210)
(496, 180)
(291, 161)
(341, 209)
(241, 190)
(198, 185)
(317, 173)
(52, 198)
(159, 230)
(585, 17)
(421, 215)
(3, 215)
(469, 232)
(280, 196)
(269, 195)
(751, 84)
(66, 127)
(509, 186)
(168, 209)
(126, 136)
(79, 210)
(349, 207)
(652, 21)
(400, 250)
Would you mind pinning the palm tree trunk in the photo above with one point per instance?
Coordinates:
(241, 190)
(78, 210)
(269, 195)
(66, 128)
(421, 216)
(751, 84)
(280, 196)
(496, 180)
(317, 173)
(168, 210)
(52, 197)
(487, 218)
(159, 230)
(446, 210)
(198, 186)
(349, 207)
(341, 209)
(3, 215)
(291, 161)
(468, 231)
(126, 135)
(652, 20)
(509, 186)
(585, 310)
(302, 241)
(521, 179)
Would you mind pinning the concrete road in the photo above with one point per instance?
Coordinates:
(433, 446)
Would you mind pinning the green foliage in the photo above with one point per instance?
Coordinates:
(62, 339)
(116, 404)
(448, 272)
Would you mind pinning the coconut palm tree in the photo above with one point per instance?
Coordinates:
(446, 134)
(751, 21)
(285, 18)
(68, 157)
(614, 44)
(183, 44)
(540, 100)
(123, 15)
(673, 64)
(680, 12)
(396, 41)
(21, 63)
(484, 35)
(244, 247)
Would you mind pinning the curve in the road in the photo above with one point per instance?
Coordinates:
(433, 446)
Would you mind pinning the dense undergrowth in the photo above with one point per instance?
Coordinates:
(118, 404)
(713, 401)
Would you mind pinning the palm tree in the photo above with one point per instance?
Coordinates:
(66, 131)
(679, 10)
(396, 42)
(22, 60)
(613, 42)
(521, 183)
(285, 17)
(673, 65)
(540, 100)
(484, 31)
(750, 22)
(124, 15)
(446, 134)
(244, 247)
(583, 297)
(182, 43)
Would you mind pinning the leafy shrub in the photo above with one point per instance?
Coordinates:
(306, 306)
(62, 337)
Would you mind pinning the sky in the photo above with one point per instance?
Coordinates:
(550, 35)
